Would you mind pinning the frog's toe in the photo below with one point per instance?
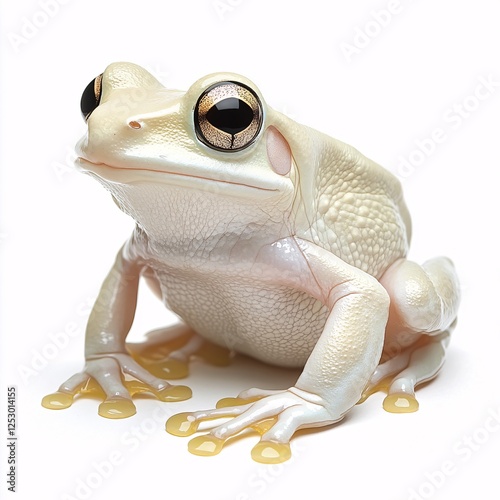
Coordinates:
(159, 343)
(182, 424)
(247, 397)
(117, 408)
(425, 360)
(57, 400)
(205, 446)
(168, 368)
(63, 398)
(170, 359)
(265, 452)
(187, 423)
(238, 401)
(400, 403)
(401, 397)
(215, 355)
(270, 452)
(275, 417)
(199, 348)
(161, 390)
(174, 393)
(372, 388)
(255, 393)
(114, 380)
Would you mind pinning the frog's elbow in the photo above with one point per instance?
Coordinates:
(366, 287)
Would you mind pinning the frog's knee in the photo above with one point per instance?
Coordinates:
(424, 297)
(421, 303)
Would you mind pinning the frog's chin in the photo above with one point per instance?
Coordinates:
(131, 176)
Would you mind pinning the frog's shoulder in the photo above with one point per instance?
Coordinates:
(323, 161)
(137, 248)
(361, 214)
(346, 202)
(343, 172)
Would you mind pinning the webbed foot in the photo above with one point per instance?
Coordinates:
(104, 378)
(275, 415)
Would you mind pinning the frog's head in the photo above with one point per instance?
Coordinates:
(218, 138)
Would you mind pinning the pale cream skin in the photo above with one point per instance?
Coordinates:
(291, 250)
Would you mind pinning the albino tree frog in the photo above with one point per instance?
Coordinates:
(265, 237)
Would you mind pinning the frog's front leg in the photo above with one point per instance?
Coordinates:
(107, 359)
(337, 370)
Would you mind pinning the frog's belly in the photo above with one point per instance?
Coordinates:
(276, 325)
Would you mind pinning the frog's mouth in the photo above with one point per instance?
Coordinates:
(135, 175)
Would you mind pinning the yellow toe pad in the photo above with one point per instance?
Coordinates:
(270, 452)
(400, 403)
(205, 446)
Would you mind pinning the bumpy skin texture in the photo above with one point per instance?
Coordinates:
(292, 250)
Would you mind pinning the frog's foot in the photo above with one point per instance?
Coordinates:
(166, 352)
(400, 375)
(424, 303)
(384, 373)
(275, 415)
(104, 377)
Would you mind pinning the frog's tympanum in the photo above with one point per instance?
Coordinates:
(265, 237)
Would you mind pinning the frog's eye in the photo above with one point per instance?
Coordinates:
(228, 116)
(91, 97)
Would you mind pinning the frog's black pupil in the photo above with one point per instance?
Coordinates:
(89, 100)
(230, 115)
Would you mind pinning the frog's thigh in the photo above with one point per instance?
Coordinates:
(424, 303)
(424, 298)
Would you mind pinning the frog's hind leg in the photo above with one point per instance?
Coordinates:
(424, 303)
(166, 352)
(401, 374)
(425, 361)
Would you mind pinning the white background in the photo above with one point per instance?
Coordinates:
(60, 231)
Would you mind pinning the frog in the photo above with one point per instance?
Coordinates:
(266, 238)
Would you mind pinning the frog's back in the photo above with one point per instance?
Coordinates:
(361, 214)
